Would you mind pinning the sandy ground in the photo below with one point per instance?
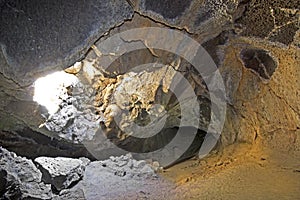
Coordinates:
(241, 172)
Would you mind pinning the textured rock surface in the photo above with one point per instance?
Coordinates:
(120, 178)
(61, 172)
(73, 118)
(277, 21)
(263, 110)
(32, 144)
(38, 36)
(115, 178)
(74, 193)
(259, 61)
(140, 112)
(254, 43)
(205, 18)
(146, 98)
(20, 179)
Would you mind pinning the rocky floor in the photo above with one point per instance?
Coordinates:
(66, 178)
(241, 172)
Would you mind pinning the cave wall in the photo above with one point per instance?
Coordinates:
(263, 110)
(255, 45)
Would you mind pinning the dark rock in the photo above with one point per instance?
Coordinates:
(259, 61)
(286, 34)
(36, 38)
(169, 147)
(21, 178)
(32, 144)
(270, 20)
(206, 18)
(202, 16)
(42, 35)
(282, 17)
(169, 9)
(212, 47)
(61, 172)
(3, 182)
(257, 21)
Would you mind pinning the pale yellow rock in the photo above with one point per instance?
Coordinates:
(74, 69)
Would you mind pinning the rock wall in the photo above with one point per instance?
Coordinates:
(264, 107)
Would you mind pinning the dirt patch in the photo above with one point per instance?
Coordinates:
(241, 172)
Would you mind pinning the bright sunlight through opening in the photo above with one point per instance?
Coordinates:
(50, 90)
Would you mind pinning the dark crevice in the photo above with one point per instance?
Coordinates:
(259, 61)
(32, 144)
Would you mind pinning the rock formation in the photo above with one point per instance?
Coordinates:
(61, 178)
(126, 93)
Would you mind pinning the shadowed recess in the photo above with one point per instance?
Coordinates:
(259, 61)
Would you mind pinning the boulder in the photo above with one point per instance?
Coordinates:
(20, 179)
(61, 172)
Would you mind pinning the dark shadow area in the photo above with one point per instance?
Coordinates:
(32, 144)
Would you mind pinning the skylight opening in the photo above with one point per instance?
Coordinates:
(51, 90)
